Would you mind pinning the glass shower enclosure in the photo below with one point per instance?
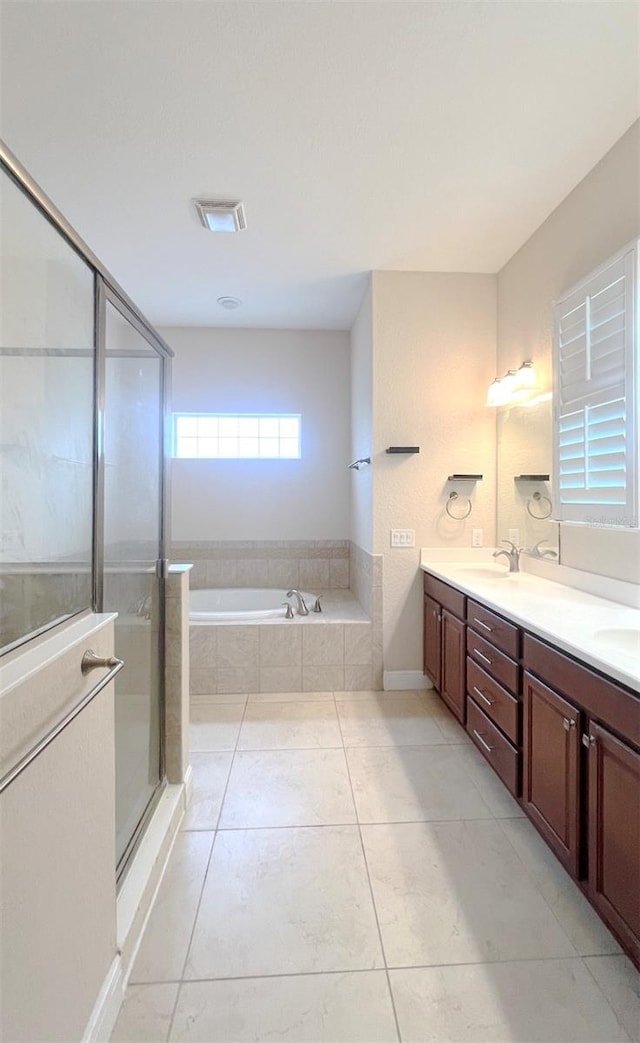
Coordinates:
(83, 500)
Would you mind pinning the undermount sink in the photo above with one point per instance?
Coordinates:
(622, 639)
(484, 572)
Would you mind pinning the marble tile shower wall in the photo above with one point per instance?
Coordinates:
(285, 657)
(305, 564)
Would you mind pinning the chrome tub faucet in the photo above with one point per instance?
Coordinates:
(512, 555)
(302, 608)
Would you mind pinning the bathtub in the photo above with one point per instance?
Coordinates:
(240, 604)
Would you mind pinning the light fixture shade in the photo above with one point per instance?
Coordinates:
(527, 377)
(494, 393)
(221, 216)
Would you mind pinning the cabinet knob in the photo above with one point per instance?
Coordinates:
(588, 741)
(569, 725)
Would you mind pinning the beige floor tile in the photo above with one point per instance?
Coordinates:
(288, 788)
(451, 728)
(456, 892)
(584, 927)
(620, 982)
(213, 698)
(372, 694)
(316, 1008)
(166, 937)
(291, 697)
(290, 725)
(210, 772)
(534, 1001)
(493, 790)
(215, 726)
(392, 722)
(280, 901)
(412, 783)
(145, 1015)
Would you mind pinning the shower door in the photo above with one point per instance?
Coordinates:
(133, 542)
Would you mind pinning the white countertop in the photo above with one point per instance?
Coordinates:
(563, 616)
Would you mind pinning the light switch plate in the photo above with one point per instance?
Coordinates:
(477, 538)
(403, 537)
(514, 536)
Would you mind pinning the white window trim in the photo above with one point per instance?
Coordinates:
(621, 516)
(178, 415)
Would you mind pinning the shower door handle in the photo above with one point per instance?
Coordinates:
(92, 661)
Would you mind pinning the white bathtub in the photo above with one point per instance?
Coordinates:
(240, 604)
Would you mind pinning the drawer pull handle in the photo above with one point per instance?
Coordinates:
(481, 624)
(478, 736)
(569, 725)
(588, 741)
(489, 702)
(483, 657)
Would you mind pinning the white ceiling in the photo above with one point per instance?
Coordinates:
(414, 136)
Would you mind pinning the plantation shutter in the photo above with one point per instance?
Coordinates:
(595, 480)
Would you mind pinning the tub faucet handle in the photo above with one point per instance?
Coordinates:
(317, 607)
(289, 613)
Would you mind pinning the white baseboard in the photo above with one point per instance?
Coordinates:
(107, 1006)
(402, 680)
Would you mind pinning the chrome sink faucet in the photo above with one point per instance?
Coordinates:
(302, 608)
(535, 552)
(512, 555)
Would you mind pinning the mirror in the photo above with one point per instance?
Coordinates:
(524, 457)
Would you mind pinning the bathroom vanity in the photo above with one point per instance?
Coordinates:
(546, 680)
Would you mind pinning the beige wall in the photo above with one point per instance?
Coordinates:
(600, 216)
(270, 371)
(433, 356)
(362, 424)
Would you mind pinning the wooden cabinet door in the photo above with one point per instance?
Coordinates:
(453, 686)
(551, 769)
(614, 834)
(432, 640)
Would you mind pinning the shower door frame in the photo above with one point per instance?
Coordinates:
(107, 295)
(108, 290)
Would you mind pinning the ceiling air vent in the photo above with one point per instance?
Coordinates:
(220, 215)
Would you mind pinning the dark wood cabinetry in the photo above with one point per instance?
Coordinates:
(564, 739)
(452, 679)
(551, 763)
(444, 643)
(432, 645)
(614, 834)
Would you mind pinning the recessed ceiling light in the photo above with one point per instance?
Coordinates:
(230, 303)
(220, 215)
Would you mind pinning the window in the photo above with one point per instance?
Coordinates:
(246, 436)
(596, 397)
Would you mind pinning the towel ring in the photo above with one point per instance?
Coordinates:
(457, 517)
(541, 500)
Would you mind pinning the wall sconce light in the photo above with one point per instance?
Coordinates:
(515, 387)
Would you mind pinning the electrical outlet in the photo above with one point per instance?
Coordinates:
(403, 538)
(477, 538)
(514, 536)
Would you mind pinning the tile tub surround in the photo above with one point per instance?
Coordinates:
(345, 873)
(303, 564)
(314, 653)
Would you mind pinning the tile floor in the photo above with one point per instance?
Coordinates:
(351, 871)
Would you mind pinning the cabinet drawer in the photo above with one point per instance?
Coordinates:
(502, 756)
(493, 661)
(496, 629)
(501, 707)
(447, 596)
